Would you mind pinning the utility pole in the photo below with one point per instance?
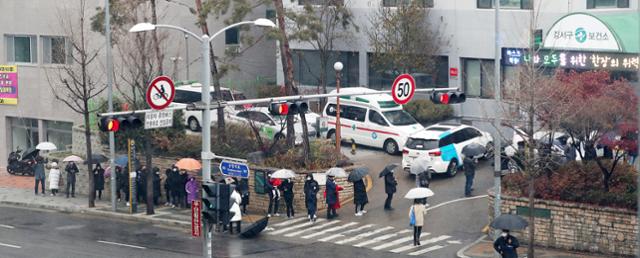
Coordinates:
(338, 67)
(186, 60)
(497, 141)
(112, 147)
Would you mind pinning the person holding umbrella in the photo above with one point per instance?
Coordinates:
(332, 197)
(360, 198)
(274, 196)
(98, 180)
(469, 173)
(72, 170)
(506, 245)
(311, 188)
(389, 184)
(417, 210)
(287, 191)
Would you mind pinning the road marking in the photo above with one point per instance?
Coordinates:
(383, 237)
(363, 235)
(284, 230)
(456, 200)
(312, 228)
(457, 242)
(329, 230)
(70, 227)
(12, 246)
(428, 241)
(289, 222)
(399, 241)
(7, 226)
(120, 244)
(329, 238)
(428, 249)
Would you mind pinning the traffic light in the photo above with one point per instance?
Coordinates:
(129, 122)
(210, 203)
(284, 108)
(448, 97)
(109, 124)
(298, 107)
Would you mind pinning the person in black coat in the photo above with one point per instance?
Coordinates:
(243, 189)
(389, 188)
(183, 177)
(311, 188)
(156, 186)
(98, 180)
(506, 245)
(287, 192)
(141, 184)
(469, 173)
(172, 185)
(71, 170)
(360, 196)
(331, 195)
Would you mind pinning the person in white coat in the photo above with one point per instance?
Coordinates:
(54, 178)
(236, 198)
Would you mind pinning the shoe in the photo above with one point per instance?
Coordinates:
(363, 212)
(389, 209)
(427, 205)
(118, 199)
(127, 202)
(51, 194)
(358, 214)
(418, 242)
(277, 214)
(268, 215)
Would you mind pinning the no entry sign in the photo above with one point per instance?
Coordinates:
(160, 92)
(404, 86)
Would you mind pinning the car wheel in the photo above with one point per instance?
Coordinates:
(193, 124)
(278, 137)
(390, 146)
(331, 135)
(452, 169)
(489, 151)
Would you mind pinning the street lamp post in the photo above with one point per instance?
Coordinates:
(186, 60)
(338, 67)
(206, 154)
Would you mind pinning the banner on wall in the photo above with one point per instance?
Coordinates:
(8, 84)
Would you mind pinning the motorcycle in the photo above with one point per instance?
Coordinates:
(22, 163)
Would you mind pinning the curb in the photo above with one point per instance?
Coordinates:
(460, 253)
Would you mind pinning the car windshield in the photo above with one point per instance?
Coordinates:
(399, 117)
(422, 144)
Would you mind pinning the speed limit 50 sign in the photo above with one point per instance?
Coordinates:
(404, 86)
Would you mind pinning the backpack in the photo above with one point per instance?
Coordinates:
(412, 217)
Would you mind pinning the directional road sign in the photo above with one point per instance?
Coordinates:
(160, 92)
(404, 86)
(234, 169)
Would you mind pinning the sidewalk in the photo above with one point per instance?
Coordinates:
(484, 248)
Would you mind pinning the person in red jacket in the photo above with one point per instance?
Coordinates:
(274, 196)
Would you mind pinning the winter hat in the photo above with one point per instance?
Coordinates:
(54, 165)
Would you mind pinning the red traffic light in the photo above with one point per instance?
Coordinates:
(279, 109)
(109, 124)
(448, 97)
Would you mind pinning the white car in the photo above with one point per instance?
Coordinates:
(271, 126)
(443, 143)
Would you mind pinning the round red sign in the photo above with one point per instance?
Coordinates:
(160, 92)
(404, 86)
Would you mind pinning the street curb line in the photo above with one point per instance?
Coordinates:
(460, 252)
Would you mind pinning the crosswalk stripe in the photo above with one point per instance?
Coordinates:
(329, 238)
(426, 242)
(288, 222)
(383, 237)
(428, 249)
(287, 229)
(363, 235)
(398, 241)
(329, 230)
(316, 227)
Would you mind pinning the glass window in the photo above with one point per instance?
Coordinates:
(232, 36)
(376, 118)
(353, 113)
(21, 49)
(422, 144)
(321, 2)
(260, 118)
(459, 136)
(56, 50)
(399, 117)
(24, 133)
(381, 78)
(592, 4)
(477, 77)
(395, 3)
(446, 140)
(506, 4)
(308, 68)
(59, 133)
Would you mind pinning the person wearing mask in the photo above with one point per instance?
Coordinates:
(311, 188)
(274, 196)
(416, 217)
(183, 178)
(98, 180)
(332, 197)
(38, 172)
(243, 189)
(71, 170)
(157, 192)
(287, 192)
(121, 179)
(469, 172)
(423, 181)
(235, 201)
(54, 178)
(389, 188)
(191, 188)
(141, 184)
(173, 181)
(360, 197)
(506, 245)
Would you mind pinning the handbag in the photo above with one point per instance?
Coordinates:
(412, 217)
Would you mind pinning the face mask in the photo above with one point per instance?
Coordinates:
(308, 178)
(504, 234)
(175, 169)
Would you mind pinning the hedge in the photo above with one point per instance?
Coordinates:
(427, 113)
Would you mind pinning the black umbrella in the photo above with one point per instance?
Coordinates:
(510, 222)
(97, 158)
(255, 228)
(30, 153)
(357, 174)
(388, 169)
(473, 150)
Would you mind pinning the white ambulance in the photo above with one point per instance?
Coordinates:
(372, 120)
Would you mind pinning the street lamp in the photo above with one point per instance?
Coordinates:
(206, 154)
(338, 67)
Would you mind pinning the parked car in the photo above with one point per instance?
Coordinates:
(444, 142)
(372, 120)
(270, 126)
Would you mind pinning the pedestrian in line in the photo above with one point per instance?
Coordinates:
(170, 184)
(121, 179)
(332, 197)
(54, 178)
(360, 196)
(287, 192)
(389, 188)
(506, 245)
(243, 189)
(127, 185)
(38, 172)
(183, 178)
(469, 173)
(235, 201)
(416, 218)
(157, 192)
(141, 184)
(71, 170)
(98, 180)
(311, 188)
(274, 196)
(191, 187)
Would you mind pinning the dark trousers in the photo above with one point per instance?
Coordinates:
(175, 198)
(360, 207)
(99, 194)
(274, 205)
(387, 202)
(41, 182)
(417, 230)
(311, 207)
(168, 194)
(71, 185)
(237, 226)
(468, 184)
(289, 203)
(331, 212)
(54, 191)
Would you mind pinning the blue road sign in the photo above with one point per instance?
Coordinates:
(234, 169)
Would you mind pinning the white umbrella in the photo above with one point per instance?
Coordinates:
(283, 174)
(73, 158)
(418, 193)
(46, 146)
(337, 172)
(420, 165)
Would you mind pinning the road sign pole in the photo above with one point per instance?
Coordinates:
(206, 154)
(112, 149)
(497, 166)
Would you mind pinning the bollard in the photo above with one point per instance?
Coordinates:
(353, 147)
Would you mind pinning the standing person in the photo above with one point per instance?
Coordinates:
(38, 172)
(287, 191)
(332, 197)
(127, 185)
(416, 217)
(235, 208)
(243, 188)
(121, 180)
(506, 245)
(423, 181)
(141, 184)
(54, 178)
(157, 192)
(191, 188)
(311, 188)
(183, 178)
(72, 170)
(389, 188)
(98, 180)
(172, 182)
(469, 173)
(274, 196)
(360, 196)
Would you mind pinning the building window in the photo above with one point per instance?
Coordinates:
(321, 2)
(594, 4)
(381, 78)
(21, 49)
(506, 4)
(395, 3)
(56, 50)
(308, 68)
(478, 77)
(24, 133)
(232, 36)
(60, 134)
(270, 14)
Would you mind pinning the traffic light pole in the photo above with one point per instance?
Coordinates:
(206, 154)
(112, 148)
(497, 162)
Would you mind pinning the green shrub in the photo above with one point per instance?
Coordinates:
(426, 112)
(323, 156)
(239, 143)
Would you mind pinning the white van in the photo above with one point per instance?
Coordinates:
(372, 120)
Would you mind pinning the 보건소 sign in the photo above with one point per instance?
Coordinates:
(572, 59)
